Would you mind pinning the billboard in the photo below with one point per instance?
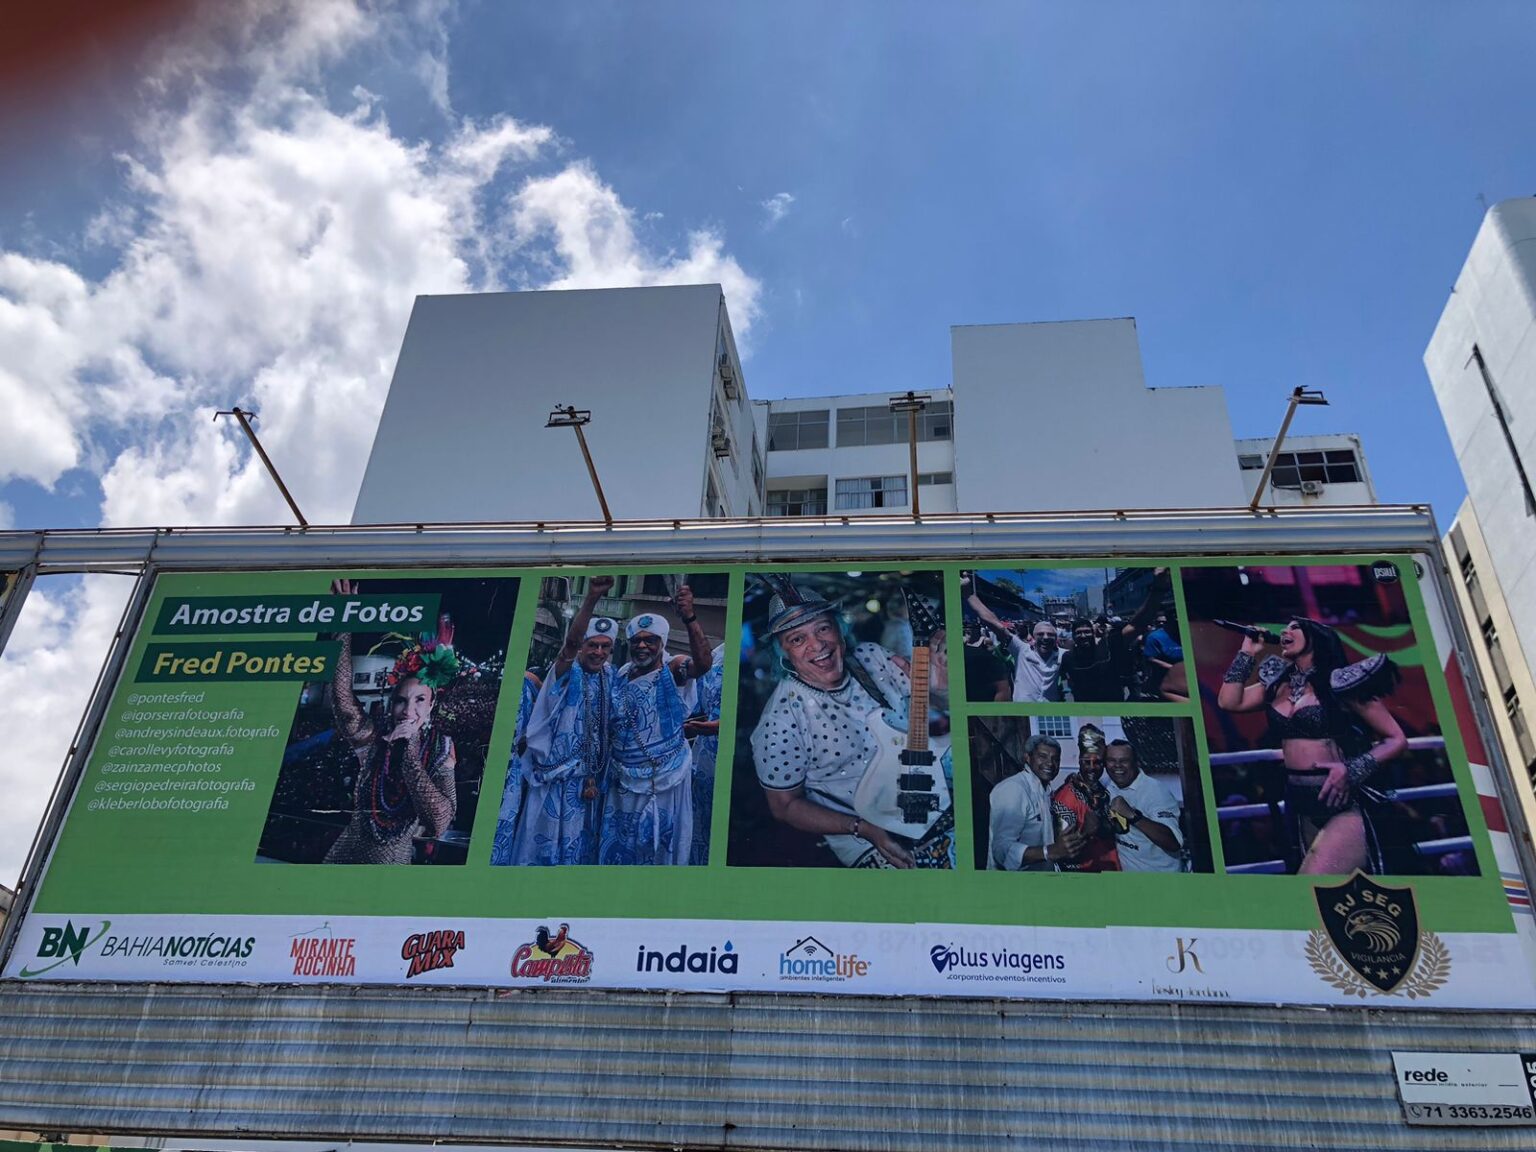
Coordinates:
(1226, 779)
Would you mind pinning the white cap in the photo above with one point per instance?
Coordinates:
(602, 626)
(650, 622)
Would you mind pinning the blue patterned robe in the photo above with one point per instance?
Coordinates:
(705, 749)
(567, 745)
(648, 816)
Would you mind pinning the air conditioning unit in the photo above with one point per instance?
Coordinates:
(721, 443)
(728, 376)
(1311, 487)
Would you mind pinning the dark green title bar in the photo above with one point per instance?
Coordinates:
(203, 615)
(257, 660)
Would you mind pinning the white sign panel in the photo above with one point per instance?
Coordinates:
(1467, 1088)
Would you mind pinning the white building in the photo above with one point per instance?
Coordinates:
(478, 375)
(673, 434)
(982, 447)
(1482, 363)
(1310, 471)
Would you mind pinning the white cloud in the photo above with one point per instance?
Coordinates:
(776, 207)
(7, 516)
(269, 246)
(46, 676)
(579, 234)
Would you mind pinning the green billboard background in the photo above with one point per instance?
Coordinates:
(200, 857)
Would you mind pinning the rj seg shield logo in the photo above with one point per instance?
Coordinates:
(1373, 942)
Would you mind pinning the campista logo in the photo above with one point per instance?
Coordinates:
(66, 943)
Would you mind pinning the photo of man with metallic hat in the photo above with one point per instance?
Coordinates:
(843, 749)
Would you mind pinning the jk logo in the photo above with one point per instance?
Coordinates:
(62, 945)
(1185, 956)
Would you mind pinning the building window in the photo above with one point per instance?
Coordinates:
(705, 586)
(788, 431)
(925, 479)
(711, 497)
(1335, 466)
(1059, 727)
(872, 492)
(879, 425)
(797, 501)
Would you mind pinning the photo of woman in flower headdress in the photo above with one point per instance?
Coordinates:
(391, 751)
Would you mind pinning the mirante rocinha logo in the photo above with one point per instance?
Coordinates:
(553, 957)
(61, 945)
(429, 951)
(1371, 943)
(321, 953)
(810, 959)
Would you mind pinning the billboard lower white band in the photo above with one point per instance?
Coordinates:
(1114, 963)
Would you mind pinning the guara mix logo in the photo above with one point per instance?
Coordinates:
(430, 951)
(553, 957)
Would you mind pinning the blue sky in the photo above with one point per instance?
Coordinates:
(239, 204)
(1279, 194)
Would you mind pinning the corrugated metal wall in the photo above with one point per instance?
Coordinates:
(691, 1071)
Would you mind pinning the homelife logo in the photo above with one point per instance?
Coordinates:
(810, 959)
(957, 962)
(429, 951)
(1373, 943)
(319, 953)
(684, 959)
(554, 958)
(64, 944)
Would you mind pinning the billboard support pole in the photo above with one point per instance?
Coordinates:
(250, 434)
(75, 761)
(911, 403)
(574, 418)
(1298, 396)
(14, 597)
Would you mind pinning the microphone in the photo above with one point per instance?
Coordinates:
(1249, 630)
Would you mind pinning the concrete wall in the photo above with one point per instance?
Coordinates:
(462, 437)
(1493, 307)
(1058, 416)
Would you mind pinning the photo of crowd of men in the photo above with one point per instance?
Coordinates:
(1326, 751)
(613, 757)
(1091, 635)
(1087, 794)
(842, 749)
(384, 762)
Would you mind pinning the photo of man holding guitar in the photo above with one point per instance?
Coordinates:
(850, 749)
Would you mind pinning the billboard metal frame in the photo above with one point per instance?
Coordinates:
(15, 596)
(1392, 529)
